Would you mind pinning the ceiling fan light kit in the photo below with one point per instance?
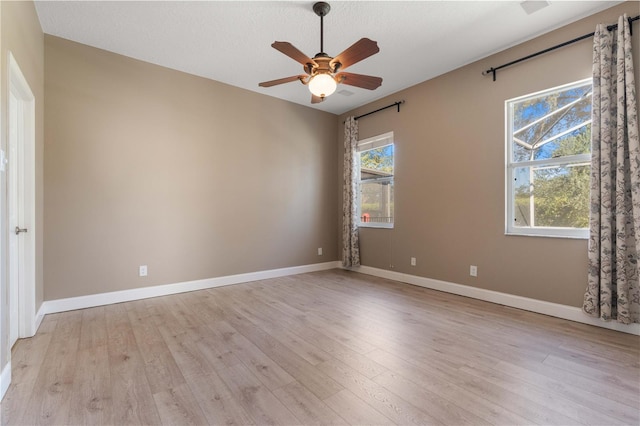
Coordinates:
(322, 72)
(322, 85)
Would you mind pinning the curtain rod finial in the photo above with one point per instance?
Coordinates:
(492, 71)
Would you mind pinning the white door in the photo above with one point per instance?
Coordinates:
(21, 205)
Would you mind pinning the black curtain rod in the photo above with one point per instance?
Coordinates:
(566, 43)
(380, 109)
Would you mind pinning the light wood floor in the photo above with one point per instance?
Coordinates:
(331, 347)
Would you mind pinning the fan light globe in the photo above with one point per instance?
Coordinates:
(322, 85)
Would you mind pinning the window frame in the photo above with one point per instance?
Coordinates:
(511, 166)
(375, 142)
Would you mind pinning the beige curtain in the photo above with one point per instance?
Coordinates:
(613, 290)
(350, 244)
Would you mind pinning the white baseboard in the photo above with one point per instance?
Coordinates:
(571, 313)
(39, 318)
(5, 379)
(90, 301)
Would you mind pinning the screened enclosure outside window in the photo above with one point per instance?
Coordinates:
(548, 162)
(375, 187)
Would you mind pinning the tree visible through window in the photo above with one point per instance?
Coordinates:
(548, 161)
(375, 159)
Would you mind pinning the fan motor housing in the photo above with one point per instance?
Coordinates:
(323, 65)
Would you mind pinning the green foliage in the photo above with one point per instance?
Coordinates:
(579, 144)
(378, 159)
(562, 199)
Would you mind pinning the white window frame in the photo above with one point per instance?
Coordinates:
(365, 145)
(538, 231)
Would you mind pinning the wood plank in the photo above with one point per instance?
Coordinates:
(270, 319)
(627, 379)
(93, 330)
(49, 402)
(306, 406)
(92, 385)
(217, 402)
(130, 391)
(268, 372)
(306, 350)
(316, 382)
(255, 398)
(354, 410)
(558, 379)
(160, 367)
(441, 409)
(218, 356)
(189, 359)
(28, 354)
(452, 392)
(392, 406)
(573, 402)
(27, 357)
(498, 393)
(178, 406)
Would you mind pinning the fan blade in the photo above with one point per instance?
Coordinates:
(291, 51)
(359, 80)
(358, 51)
(316, 99)
(282, 80)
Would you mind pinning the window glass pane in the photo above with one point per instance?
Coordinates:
(376, 163)
(522, 197)
(376, 158)
(574, 143)
(552, 124)
(552, 196)
(376, 201)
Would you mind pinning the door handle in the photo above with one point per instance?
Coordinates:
(19, 230)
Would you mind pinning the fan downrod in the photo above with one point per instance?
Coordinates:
(321, 8)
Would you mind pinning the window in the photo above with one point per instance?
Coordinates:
(548, 162)
(375, 187)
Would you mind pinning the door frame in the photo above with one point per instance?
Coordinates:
(24, 256)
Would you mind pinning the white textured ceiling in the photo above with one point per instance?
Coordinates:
(230, 41)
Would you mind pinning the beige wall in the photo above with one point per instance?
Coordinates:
(22, 36)
(449, 183)
(194, 178)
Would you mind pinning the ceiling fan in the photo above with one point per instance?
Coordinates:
(324, 73)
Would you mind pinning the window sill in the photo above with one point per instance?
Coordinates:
(376, 225)
(530, 234)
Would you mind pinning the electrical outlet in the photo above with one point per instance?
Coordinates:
(142, 270)
(319, 251)
(473, 270)
(413, 261)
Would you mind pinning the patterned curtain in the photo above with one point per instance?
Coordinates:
(613, 290)
(350, 244)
